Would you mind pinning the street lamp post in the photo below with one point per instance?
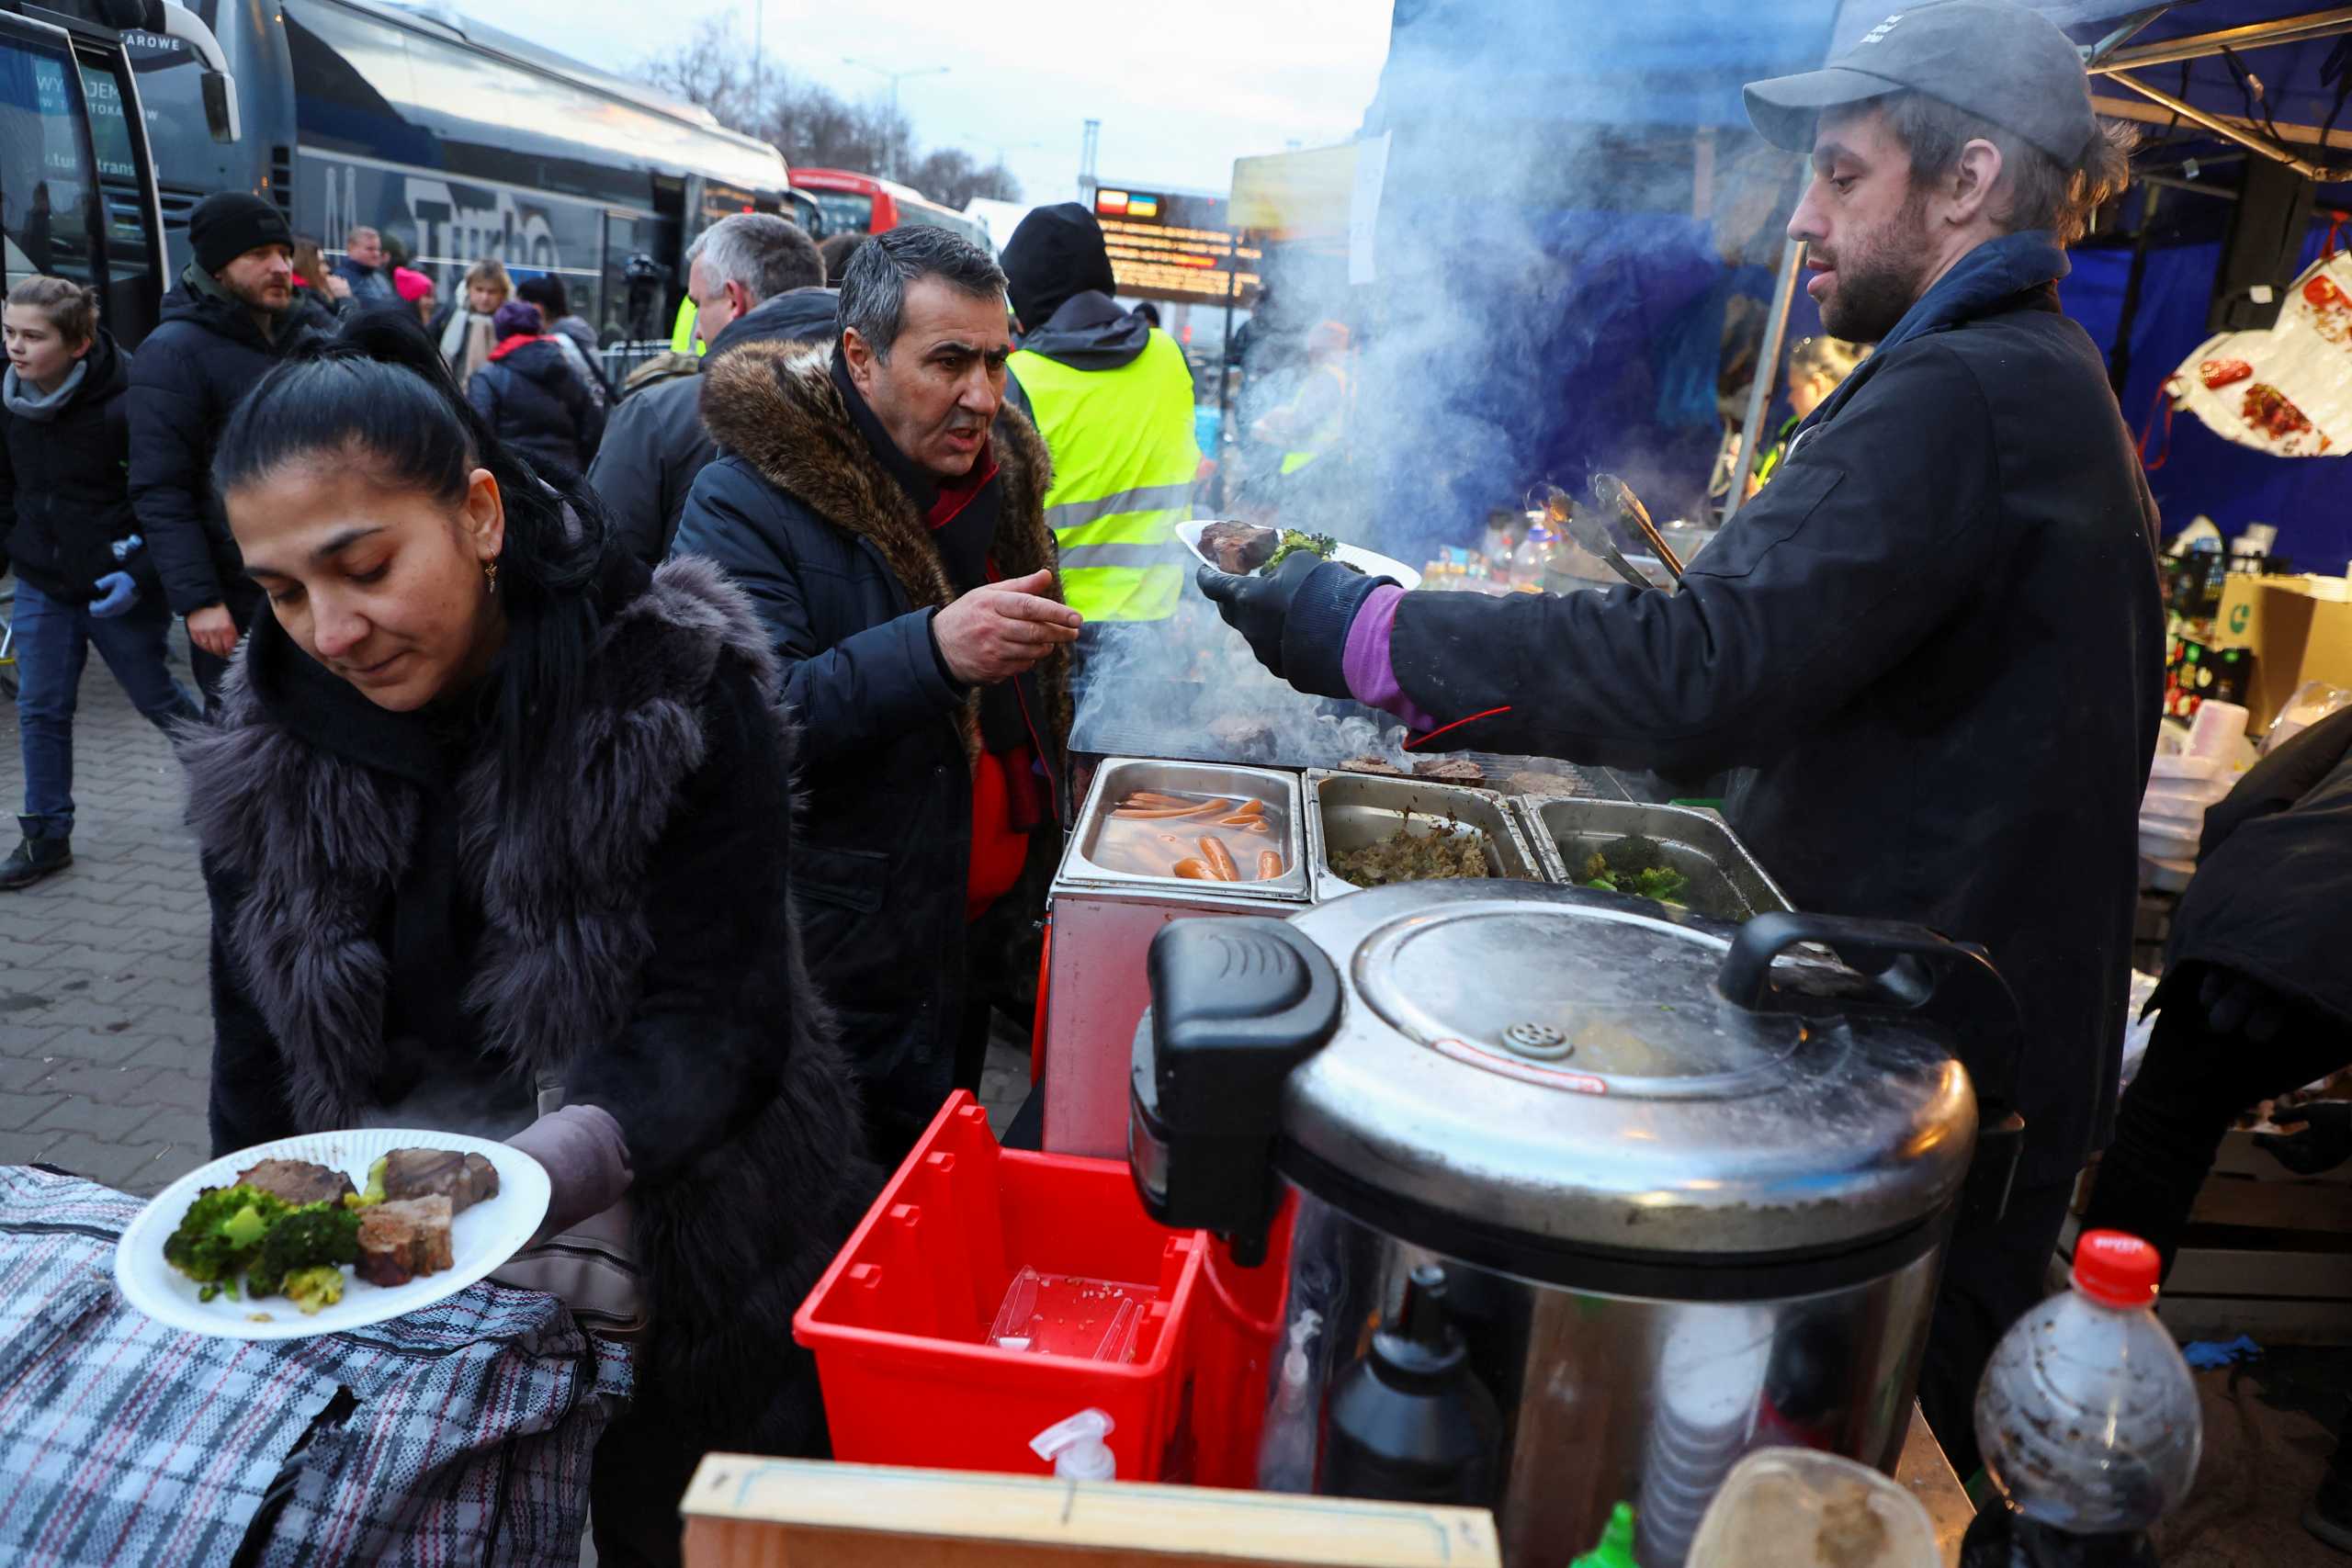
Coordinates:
(895, 77)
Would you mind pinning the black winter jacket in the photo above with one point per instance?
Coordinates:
(1935, 637)
(65, 489)
(845, 577)
(539, 406)
(629, 941)
(204, 355)
(2272, 896)
(656, 443)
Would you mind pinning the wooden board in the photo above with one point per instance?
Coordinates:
(757, 1513)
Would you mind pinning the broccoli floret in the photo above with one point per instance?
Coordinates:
(1292, 541)
(223, 1230)
(311, 1289)
(1663, 883)
(317, 1235)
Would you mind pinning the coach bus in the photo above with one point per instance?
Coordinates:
(77, 182)
(457, 141)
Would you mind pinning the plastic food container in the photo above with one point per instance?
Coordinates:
(1801, 1509)
(1099, 1301)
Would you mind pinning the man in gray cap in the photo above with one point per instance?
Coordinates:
(1934, 639)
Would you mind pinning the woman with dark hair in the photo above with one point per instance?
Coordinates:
(496, 827)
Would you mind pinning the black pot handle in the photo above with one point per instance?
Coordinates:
(1951, 985)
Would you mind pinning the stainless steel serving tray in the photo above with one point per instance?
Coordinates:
(1348, 811)
(1123, 776)
(1727, 883)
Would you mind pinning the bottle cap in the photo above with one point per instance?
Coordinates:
(2116, 1270)
(1074, 1448)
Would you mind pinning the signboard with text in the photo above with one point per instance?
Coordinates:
(1166, 245)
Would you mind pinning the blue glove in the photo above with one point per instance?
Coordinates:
(117, 592)
(1296, 621)
(124, 549)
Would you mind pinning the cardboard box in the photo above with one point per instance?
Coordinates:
(2272, 616)
(2327, 647)
(767, 1513)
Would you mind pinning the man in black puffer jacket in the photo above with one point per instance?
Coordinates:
(232, 316)
(534, 399)
(754, 278)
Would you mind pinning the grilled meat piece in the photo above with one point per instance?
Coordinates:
(296, 1181)
(1450, 770)
(464, 1179)
(1373, 766)
(1239, 546)
(400, 1240)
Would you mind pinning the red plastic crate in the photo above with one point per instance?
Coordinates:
(898, 1322)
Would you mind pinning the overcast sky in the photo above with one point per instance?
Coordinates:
(1182, 91)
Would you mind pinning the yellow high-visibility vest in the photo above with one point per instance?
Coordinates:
(1124, 463)
(1326, 431)
(682, 333)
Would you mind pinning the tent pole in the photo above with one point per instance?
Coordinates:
(2319, 174)
(2254, 35)
(1768, 370)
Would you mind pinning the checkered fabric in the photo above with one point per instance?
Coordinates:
(459, 1434)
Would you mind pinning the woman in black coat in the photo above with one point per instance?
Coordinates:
(83, 578)
(496, 825)
(534, 399)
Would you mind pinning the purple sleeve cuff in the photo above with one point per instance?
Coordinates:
(586, 1159)
(1372, 680)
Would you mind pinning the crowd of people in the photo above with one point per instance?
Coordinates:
(520, 708)
(667, 777)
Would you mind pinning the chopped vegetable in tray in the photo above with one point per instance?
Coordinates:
(1635, 865)
(1408, 856)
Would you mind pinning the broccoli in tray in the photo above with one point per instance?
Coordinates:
(1637, 865)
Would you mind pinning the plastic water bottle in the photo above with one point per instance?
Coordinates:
(2088, 1420)
(1530, 563)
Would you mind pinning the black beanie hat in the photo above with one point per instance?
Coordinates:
(228, 223)
(1055, 253)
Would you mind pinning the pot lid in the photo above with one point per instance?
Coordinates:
(1558, 1065)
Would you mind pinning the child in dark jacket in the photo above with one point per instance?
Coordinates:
(534, 399)
(66, 527)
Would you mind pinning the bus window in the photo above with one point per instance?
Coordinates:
(846, 212)
(930, 217)
(128, 306)
(48, 205)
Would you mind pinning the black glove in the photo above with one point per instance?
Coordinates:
(2323, 1143)
(1296, 621)
(2237, 1005)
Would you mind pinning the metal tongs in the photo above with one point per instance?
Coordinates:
(1590, 531)
(1614, 494)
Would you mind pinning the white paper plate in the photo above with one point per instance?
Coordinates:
(480, 1239)
(1364, 561)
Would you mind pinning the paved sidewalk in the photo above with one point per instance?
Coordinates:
(106, 1022)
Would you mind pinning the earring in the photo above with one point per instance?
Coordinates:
(489, 572)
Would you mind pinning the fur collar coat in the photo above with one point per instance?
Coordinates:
(633, 942)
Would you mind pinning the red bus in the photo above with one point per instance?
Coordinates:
(862, 204)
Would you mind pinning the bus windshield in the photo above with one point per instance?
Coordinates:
(846, 212)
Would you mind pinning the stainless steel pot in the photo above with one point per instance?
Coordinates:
(1689, 1197)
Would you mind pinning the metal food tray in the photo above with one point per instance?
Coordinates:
(1349, 811)
(1727, 883)
(1121, 776)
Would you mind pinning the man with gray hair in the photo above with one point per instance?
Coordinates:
(884, 510)
(754, 278)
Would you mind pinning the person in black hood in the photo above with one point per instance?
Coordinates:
(66, 527)
(1872, 642)
(232, 315)
(1113, 397)
(754, 278)
(533, 398)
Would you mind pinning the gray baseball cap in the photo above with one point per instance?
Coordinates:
(1997, 60)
